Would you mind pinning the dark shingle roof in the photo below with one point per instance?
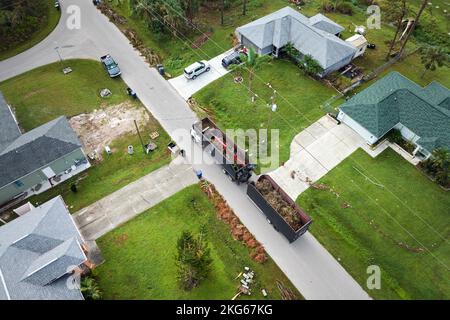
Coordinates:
(396, 99)
(37, 250)
(9, 130)
(36, 149)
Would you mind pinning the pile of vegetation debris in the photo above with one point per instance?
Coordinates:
(238, 230)
(276, 200)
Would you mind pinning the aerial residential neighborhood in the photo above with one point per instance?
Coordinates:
(241, 151)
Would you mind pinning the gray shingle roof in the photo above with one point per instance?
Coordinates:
(9, 130)
(395, 99)
(288, 25)
(37, 250)
(323, 23)
(36, 149)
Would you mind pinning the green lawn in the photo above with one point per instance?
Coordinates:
(45, 93)
(140, 255)
(48, 24)
(403, 228)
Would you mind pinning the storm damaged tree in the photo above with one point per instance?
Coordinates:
(413, 26)
(394, 11)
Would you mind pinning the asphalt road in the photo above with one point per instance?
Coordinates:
(309, 266)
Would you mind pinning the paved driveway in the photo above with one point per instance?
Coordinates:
(315, 151)
(106, 214)
(186, 88)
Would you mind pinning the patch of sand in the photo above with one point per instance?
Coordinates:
(100, 127)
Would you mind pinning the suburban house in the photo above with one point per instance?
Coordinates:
(421, 114)
(39, 253)
(37, 160)
(316, 36)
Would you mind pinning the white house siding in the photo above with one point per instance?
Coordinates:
(406, 133)
(365, 134)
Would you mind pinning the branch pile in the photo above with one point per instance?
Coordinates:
(275, 199)
(238, 230)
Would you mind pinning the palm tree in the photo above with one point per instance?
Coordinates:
(416, 21)
(251, 64)
(441, 158)
(90, 289)
(433, 58)
(394, 11)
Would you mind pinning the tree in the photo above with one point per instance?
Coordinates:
(251, 64)
(416, 21)
(394, 11)
(441, 163)
(244, 7)
(193, 259)
(432, 58)
(190, 8)
(162, 16)
(310, 65)
(20, 19)
(291, 52)
(90, 289)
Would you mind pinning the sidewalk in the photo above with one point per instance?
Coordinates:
(106, 214)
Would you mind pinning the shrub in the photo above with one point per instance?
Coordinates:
(73, 188)
(90, 289)
(395, 136)
(344, 8)
(327, 6)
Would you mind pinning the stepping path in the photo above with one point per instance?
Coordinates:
(117, 208)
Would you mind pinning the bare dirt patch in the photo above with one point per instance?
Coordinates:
(102, 126)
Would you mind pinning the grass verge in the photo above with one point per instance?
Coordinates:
(402, 227)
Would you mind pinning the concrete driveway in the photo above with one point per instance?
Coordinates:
(315, 151)
(186, 88)
(106, 214)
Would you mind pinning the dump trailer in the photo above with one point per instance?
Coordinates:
(233, 159)
(288, 218)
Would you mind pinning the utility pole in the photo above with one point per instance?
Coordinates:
(140, 138)
(244, 8)
(59, 55)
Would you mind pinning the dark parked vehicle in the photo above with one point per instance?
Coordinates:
(110, 65)
(293, 226)
(234, 160)
(232, 58)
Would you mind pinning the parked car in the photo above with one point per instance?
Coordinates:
(196, 69)
(110, 65)
(232, 58)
